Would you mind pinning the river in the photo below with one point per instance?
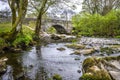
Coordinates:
(42, 62)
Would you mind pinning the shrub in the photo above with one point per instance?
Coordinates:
(22, 40)
(96, 25)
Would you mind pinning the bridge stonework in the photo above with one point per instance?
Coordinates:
(61, 26)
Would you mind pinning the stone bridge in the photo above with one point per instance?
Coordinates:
(61, 26)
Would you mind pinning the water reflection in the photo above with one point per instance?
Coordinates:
(42, 62)
(32, 64)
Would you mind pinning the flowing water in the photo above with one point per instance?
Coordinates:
(42, 62)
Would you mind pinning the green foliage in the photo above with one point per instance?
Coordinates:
(51, 30)
(22, 40)
(5, 27)
(97, 25)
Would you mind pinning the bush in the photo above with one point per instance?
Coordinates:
(96, 25)
(22, 40)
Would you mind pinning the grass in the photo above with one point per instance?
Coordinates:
(22, 39)
(5, 27)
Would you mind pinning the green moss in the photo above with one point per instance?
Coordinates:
(57, 77)
(98, 75)
(22, 40)
(89, 62)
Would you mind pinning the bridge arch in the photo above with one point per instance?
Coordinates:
(60, 29)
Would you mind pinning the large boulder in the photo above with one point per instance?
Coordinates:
(93, 69)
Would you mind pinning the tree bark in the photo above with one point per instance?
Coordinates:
(39, 20)
(18, 9)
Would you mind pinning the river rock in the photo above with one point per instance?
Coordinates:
(3, 65)
(45, 37)
(61, 49)
(115, 75)
(62, 38)
(87, 51)
(93, 69)
(75, 46)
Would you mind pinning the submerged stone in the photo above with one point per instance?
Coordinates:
(61, 49)
(57, 77)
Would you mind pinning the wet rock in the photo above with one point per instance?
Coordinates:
(79, 71)
(56, 37)
(62, 38)
(3, 65)
(107, 50)
(115, 75)
(87, 51)
(115, 47)
(47, 38)
(60, 69)
(77, 52)
(61, 49)
(99, 41)
(112, 64)
(77, 58)
(75, 46)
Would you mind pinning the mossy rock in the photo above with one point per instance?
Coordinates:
(89, 62)
(75, 46)
(57, 77)
(107, 50)
(111, 58)
(98, 75)
(93, 69)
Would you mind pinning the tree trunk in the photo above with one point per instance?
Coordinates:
(38, 26)
(39, 21)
